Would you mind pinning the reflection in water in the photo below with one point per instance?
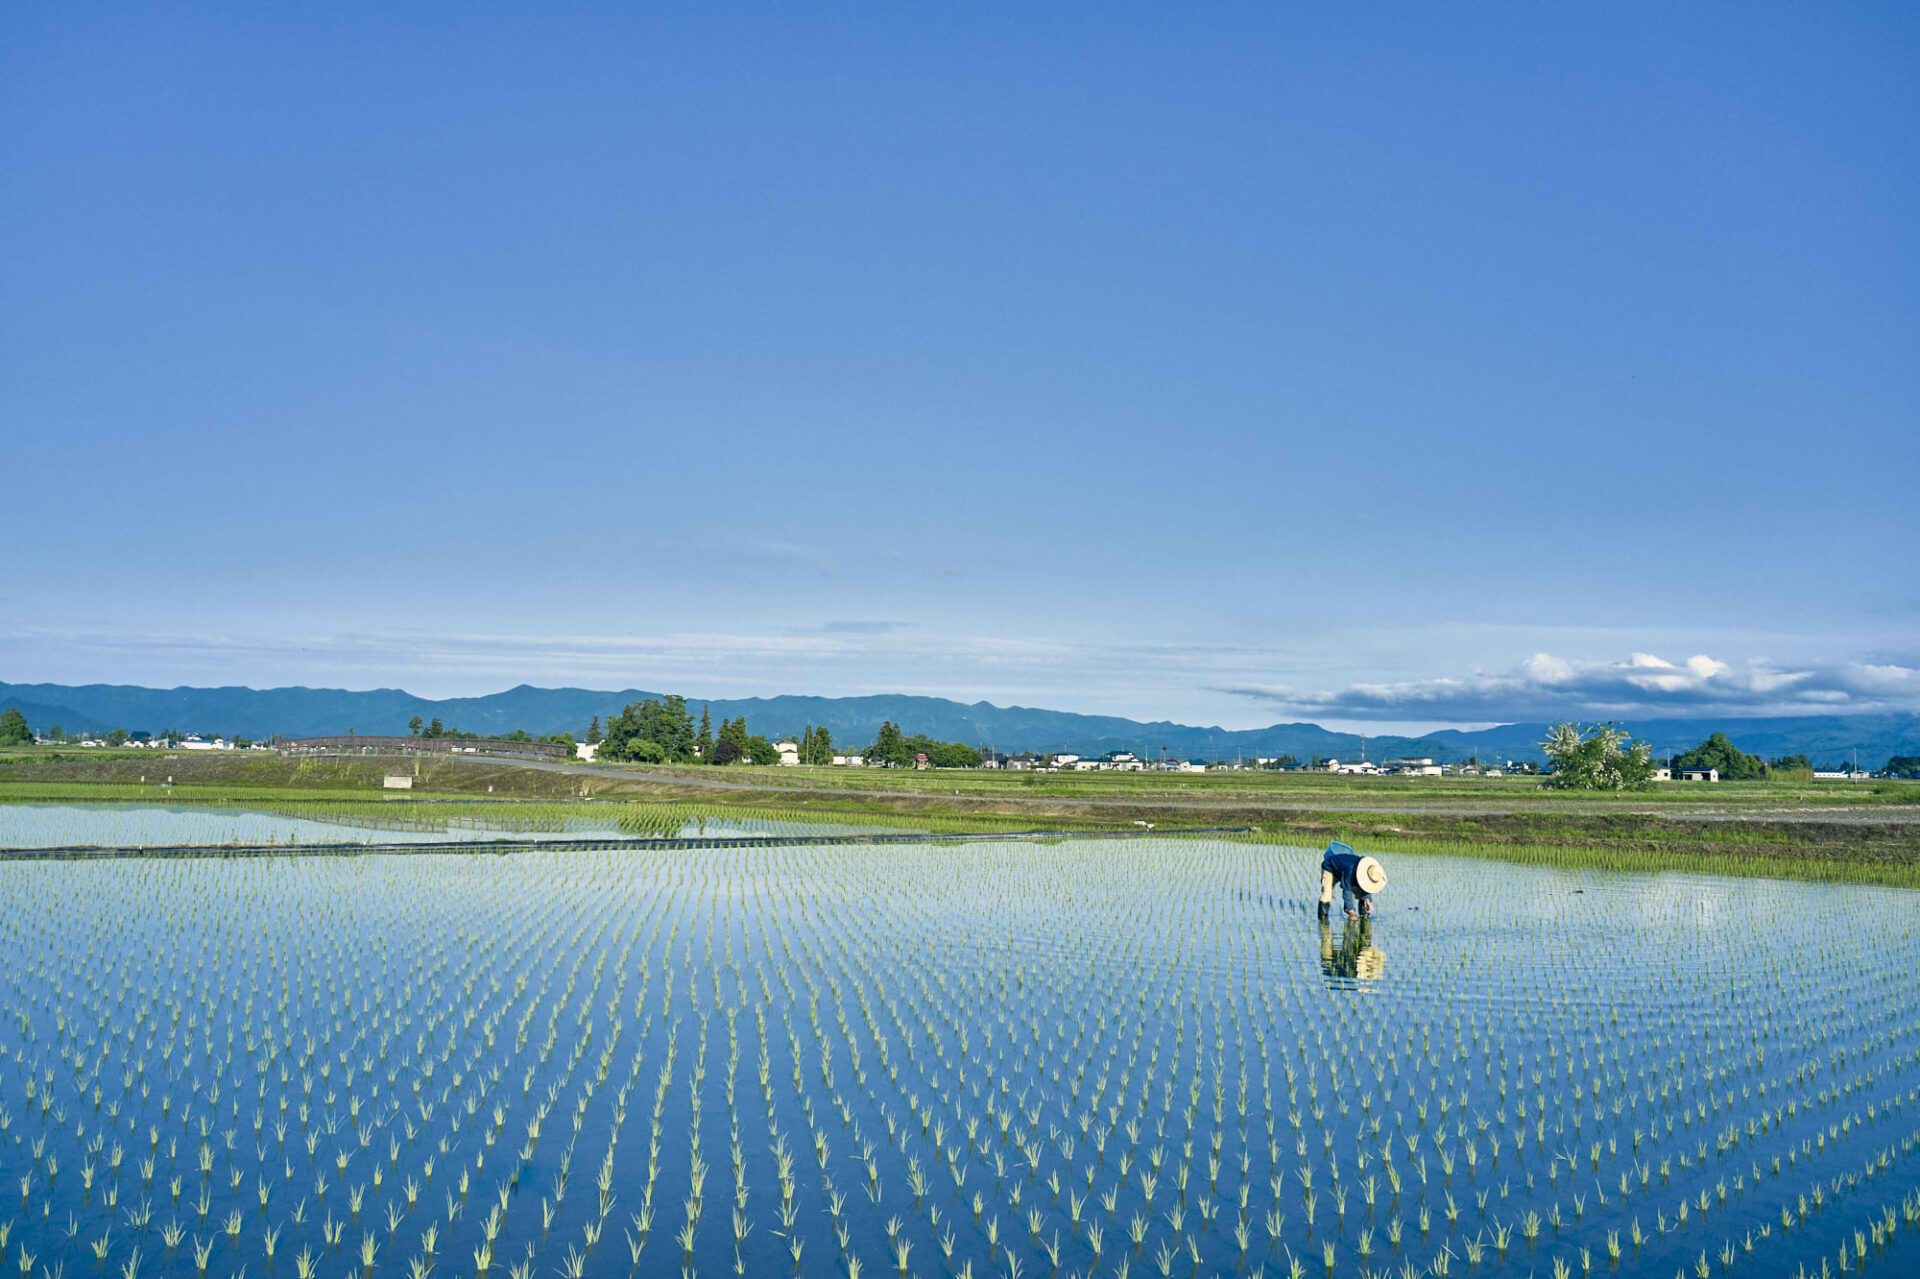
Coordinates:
(1354, 963)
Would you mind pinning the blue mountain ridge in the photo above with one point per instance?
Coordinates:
(854, 721)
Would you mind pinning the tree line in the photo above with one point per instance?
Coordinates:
(662, 730)
(1605, 757)
(434, 730)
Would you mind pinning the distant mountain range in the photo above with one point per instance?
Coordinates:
(313, 712)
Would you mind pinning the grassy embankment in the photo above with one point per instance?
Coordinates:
(1832, 831)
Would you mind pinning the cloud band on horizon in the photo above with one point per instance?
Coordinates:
(1547, 687)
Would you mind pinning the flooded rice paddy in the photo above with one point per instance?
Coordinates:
(142, 825)
(1135, 1057)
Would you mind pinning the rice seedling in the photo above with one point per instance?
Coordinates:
(1161, 1034)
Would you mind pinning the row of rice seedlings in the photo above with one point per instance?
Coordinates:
(1761, 861)
(983, 1058)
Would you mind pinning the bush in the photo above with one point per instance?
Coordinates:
(1607, 760)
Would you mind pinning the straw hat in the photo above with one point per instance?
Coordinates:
(1369, 875)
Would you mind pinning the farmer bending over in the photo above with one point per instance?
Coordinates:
(1357, 876)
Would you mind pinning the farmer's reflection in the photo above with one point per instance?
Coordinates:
(1353, 961)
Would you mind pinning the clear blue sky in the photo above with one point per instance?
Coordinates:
(1222, 363)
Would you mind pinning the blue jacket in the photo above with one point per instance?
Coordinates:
(1343, 862)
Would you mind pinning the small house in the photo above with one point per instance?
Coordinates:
(1699, 774)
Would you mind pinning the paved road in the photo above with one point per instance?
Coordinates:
(1879, 816)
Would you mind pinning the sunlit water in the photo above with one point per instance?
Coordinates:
(134, 825)
(967, 1061)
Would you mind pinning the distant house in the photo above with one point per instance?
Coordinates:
(1838, 775)
(1362, 767)
(789, 752)
(920, 761)
(1065, 761)
(850, 761)
(586, 750)
(1419, 766)
(1699, 774)
(1661, 775)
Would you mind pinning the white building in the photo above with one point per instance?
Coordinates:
(1362, 767)
(850, 761)
(586, 750)
(1699, 774)
(789, 752)
(1838, 775)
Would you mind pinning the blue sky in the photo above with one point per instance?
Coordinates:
(1426, 364)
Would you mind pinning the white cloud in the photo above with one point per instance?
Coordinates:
(1545, 686)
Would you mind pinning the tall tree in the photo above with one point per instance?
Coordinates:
(1735, 765)
(890, 747)
(593, 732)
(703, 742)
(13, 728)
(665, 723)
(733, 742)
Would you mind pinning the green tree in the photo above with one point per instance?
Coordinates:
(733, 743)
(118, 737)
(593, 732)
(13, 728)
(819, 747)
(1904, 766)
(1735, 765)
(414, 725)
(762, 751)
(941, 754)
(664, 722)
(890, 747)
(1606, 760)
(1791, 768)
(703, 740)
